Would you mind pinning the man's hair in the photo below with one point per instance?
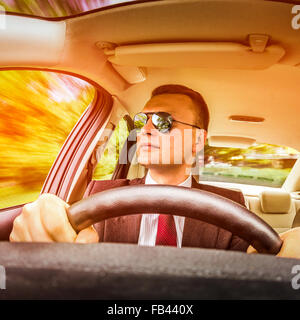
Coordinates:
(202, 119)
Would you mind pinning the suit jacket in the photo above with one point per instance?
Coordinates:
(196, 233)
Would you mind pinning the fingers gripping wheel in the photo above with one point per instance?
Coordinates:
(192, 203)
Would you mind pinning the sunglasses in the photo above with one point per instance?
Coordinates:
(162, 121)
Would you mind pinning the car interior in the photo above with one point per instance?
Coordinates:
(258, 79)
(248, 75)
(242, 56)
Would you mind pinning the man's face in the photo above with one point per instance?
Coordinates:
(179, 145)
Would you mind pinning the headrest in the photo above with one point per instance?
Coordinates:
(277, 201)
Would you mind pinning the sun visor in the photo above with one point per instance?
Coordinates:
(230, 142)
(31, 42)
(224, 55)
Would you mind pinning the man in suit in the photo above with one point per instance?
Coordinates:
(172, 130)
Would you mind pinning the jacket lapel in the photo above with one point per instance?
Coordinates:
(135, 220)
(124, 229)
(198, 233)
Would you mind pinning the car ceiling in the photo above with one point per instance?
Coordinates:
(269, 93)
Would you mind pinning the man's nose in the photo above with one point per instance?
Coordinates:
(148, 127)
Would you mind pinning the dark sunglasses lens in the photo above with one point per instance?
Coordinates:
(162, 121)
(140, 120)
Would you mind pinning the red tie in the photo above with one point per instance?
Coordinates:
(166, 231)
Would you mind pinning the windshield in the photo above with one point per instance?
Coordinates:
(54, 9)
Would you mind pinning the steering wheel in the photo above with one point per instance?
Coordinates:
(186, 202)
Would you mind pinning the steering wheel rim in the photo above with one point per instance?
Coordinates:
(193, 203)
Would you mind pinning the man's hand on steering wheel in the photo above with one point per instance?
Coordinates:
(45, 220)
(290, 244)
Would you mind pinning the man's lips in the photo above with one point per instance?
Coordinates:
(148, 145)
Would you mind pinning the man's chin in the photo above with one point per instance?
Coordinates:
(153, 164)
(153, 160)
(146, 163)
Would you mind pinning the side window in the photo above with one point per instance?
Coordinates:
(261, 164)
(109, 158)
(38, 111)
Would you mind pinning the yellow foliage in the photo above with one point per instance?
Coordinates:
(38, 111)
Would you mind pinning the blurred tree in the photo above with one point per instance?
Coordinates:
(38, 111)
(234, 155)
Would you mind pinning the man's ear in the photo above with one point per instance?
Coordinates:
(201, 136)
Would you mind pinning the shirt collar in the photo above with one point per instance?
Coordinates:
(186, 183)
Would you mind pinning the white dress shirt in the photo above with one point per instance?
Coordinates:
(149, 223)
